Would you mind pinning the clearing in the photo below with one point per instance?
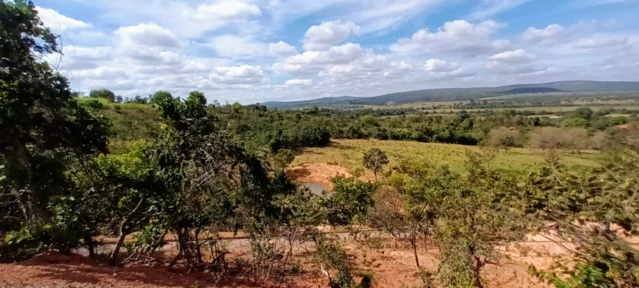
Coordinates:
(318, 165)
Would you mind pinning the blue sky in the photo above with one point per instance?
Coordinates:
(263, 50)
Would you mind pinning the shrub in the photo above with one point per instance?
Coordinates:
(503, 137)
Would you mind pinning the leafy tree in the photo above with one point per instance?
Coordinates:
(197, 97)
(351, 200)
(374, 160)
(283, 158)
(44, 130)
(103, 93)
(161, 97)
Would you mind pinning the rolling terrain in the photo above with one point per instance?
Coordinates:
(451, 94)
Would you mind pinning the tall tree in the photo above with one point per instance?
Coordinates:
(43, 128)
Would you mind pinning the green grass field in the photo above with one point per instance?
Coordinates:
(349, 153)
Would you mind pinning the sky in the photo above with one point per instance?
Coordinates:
(254, 51)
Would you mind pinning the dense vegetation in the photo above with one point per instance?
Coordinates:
(194, 170)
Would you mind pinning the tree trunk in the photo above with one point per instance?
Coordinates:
(90, 246)
(414, 243)
(116, 251)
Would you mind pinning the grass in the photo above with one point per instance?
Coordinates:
(349, 153)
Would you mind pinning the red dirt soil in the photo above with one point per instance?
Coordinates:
(391, 265)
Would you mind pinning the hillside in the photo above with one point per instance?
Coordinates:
(448, 94)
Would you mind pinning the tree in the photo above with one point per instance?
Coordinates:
(160, 97)
(374, 160)
(283, 158)
(197, 97)
(46, 134)
(350, 200)
(103, 93)
(43, 128)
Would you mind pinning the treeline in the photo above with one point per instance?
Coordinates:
(269, 130)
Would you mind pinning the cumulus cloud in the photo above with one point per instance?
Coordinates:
(58, 22)
(436, 65)
(314, 61)
(244, 74)
(513, 57)
(457, 37)
(299, 82)
(221, 47)
(322, 37)
(147, 34)
(281, 49)
(551, 32)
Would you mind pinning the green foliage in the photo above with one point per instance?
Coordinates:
(92, 104)
(332, 256)
(161, 97)
(375, 159)
(197, 97)
(576, 123)
(283, 158)
(46, 133)
(350, 200)
(103, 93)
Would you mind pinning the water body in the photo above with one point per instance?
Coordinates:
(317, 189)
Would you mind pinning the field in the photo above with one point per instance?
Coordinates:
(348, 155)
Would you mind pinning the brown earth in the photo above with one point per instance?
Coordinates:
(391, 262)
(321, 173)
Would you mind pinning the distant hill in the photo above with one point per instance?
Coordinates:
(451, 94)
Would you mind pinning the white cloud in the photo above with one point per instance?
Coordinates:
(600, 41)
(314, 61)
(436, 65)
(490, 8)
(224, 9)
(299, 82)
(281, 49)
(549, 33)
(513, 57)
(58, 22)
(323, 36)
(149, 34)
(237, 46)
(244, 74)
(457, 37)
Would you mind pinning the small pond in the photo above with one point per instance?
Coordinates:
(316, 188)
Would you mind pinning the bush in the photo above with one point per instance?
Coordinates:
(94, 104)
(559, 138)
(503, 137)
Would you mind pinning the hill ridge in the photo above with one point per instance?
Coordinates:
(451, 94)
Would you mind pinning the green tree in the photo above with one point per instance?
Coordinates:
(283, 158)
(350, 200)
(44, 130)
(375, 159)
(160, 97)
(197, 97)
(103, 93)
